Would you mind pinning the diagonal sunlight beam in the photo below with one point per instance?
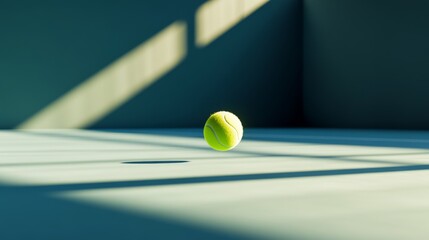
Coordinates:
(114, 85)
(215, 17)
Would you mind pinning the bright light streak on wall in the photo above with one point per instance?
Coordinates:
(114, 85)
(215, 17)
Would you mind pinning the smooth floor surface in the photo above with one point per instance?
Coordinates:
(152, 184)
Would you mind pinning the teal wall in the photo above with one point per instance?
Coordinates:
(49, 47)
(321, 63)
(366, 63)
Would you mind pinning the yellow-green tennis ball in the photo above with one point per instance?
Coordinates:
(223, 131)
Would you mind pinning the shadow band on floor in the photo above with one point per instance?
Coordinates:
(239, 153)
(212, 179)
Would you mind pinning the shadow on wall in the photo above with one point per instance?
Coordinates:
(237, 71)
(366, 63)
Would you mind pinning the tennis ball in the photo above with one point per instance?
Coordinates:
(223, 131)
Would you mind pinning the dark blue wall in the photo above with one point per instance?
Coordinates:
(366, 63)
(49, 47)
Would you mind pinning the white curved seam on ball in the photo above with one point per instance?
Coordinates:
(214, 133)
(238, 135)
